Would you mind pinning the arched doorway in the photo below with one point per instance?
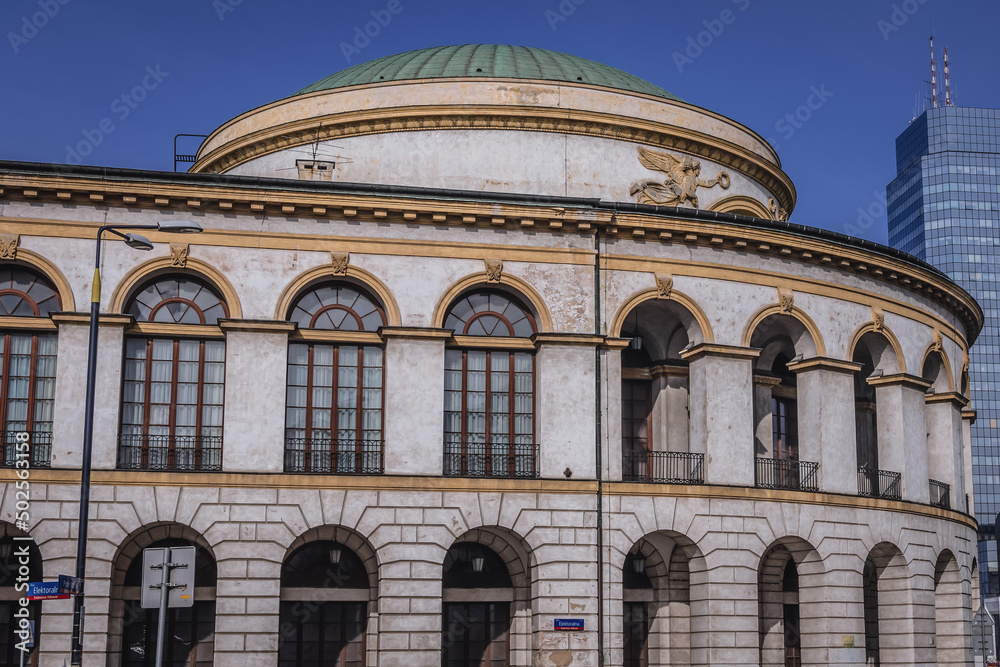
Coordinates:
(324, 607)
(132, 629)
(486, 614)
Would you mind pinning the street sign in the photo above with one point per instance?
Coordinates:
(567, 624)
(70, 585)
(180, 579)
(982, 633)
(45, 590)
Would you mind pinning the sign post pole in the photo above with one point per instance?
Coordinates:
(161, 625)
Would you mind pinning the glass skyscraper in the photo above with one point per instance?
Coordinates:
(944, 207)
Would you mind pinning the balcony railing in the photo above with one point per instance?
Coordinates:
(663, 467)
(38, 453)
(787, 474)
(879, 484)
(477, 459)
(170, 452)
(940, 494)
(339, 457)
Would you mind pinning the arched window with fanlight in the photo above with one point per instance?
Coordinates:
(28, 345)
(489, 387)
(174, 378)
(334, 403)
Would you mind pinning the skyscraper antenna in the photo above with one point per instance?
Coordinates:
(933, 77)
(947, 81)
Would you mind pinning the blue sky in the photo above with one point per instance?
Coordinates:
(863, 65)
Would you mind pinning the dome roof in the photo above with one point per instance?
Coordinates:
(491, 61)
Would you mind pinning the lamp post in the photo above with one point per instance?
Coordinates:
(141, 243)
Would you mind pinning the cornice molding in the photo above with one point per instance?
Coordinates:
(715, 350)
(499, 117)
(230, 199)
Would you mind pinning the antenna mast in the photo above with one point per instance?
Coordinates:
(933, 77)
(947, 81)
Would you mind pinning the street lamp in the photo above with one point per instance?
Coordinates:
(141, 243)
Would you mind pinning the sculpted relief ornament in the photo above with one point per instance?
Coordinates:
(681, 184)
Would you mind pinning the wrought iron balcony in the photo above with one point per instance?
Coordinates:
(940, 494)
(663, 467)
(786, 474)
(879, 484)
(38, 453)
(169, 452)
(338, 457)
(478, 459)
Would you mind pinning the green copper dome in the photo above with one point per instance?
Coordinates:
(487, 60)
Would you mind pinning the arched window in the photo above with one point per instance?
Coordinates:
(877, 357)
(782, 339)
(174, 383)
(28, 358)
(656, 444)
(324, 607)
(335, 397)
(489, 389)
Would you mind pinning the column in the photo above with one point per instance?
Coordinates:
(565, 405)
(945, 460)
(725, 627)
(827, 431)
(253, 434)
(721, 382)
(968, 504)
(611, 404)
(414, 400)
(671, 427)
(831, 611)
(71, 390)
(902, 434)
(763, 428)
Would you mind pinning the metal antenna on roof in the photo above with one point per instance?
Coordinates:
(933, 77)
(947, 81)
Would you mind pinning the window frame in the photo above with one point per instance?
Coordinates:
(460, 457)
(361, 338)
(205, 447)
(36, 325)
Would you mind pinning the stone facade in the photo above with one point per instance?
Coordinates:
(739, 319)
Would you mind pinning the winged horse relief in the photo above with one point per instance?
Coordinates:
(681, 184)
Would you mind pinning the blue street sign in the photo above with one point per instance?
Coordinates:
(45, 590)
(567, 624)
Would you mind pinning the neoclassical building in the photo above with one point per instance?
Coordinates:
(477, 343)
